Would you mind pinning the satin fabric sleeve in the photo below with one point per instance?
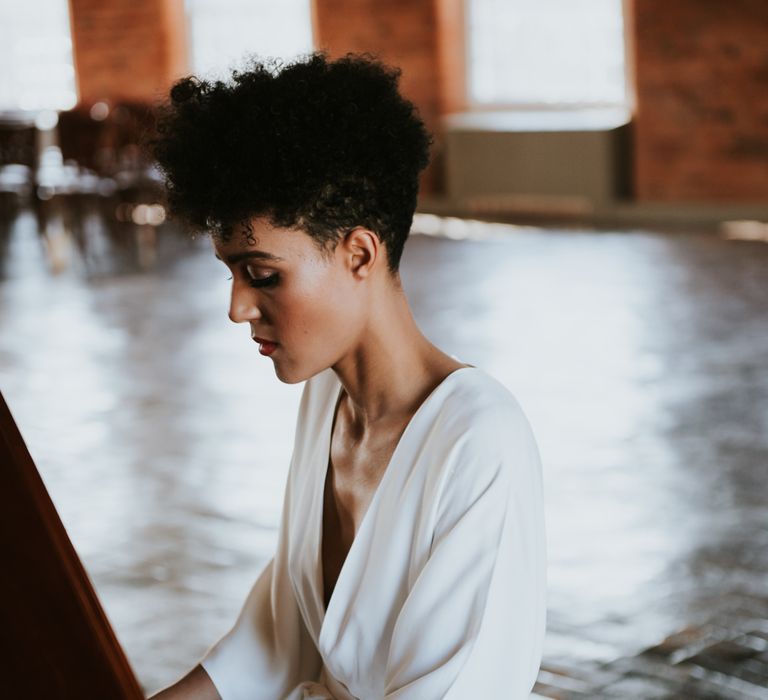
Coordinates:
(473, 622)
(268, 654)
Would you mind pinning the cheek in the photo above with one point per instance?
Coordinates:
(322, 312)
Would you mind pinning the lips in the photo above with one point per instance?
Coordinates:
(266, 347)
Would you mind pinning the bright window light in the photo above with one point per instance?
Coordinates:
(36, 69)
(545, 53)
(223, 32)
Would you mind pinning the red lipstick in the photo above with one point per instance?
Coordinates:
(266, 347)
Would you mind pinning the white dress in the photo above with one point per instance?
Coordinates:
(443, 591)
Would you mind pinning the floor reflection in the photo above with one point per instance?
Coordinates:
(641, 360)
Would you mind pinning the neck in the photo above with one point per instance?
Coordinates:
(391, 368)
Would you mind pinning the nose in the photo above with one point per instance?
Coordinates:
(242, 305)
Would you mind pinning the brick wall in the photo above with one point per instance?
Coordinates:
(412, 34)
(701, 72)
(127, 49)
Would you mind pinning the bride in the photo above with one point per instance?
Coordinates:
(411, 552)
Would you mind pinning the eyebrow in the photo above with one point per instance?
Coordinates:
(259, 254)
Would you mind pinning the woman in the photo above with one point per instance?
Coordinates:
(411, 551)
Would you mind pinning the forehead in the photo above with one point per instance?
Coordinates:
(262, 241)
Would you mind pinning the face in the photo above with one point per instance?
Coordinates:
(306, 305)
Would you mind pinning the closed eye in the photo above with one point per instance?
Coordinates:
(269, 281)
(256, 280)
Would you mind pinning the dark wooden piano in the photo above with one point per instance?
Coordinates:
(55, 640)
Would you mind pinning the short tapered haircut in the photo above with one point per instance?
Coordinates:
(317, 144)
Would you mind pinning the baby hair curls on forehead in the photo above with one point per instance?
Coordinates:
(318, 144)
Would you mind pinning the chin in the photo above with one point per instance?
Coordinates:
(287, 377)
(297, 374)
(292, 377)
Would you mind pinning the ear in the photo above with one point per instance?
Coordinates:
(362, 249)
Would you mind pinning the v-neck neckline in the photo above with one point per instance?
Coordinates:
(326, 452)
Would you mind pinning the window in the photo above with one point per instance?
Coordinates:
(545, 53)
(223, 32)
(36, 56)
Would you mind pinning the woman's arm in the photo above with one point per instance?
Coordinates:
(196, 685)
(473, 623)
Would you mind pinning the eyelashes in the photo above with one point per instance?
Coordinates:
(269, 281)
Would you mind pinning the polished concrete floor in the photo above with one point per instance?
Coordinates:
(640, 358)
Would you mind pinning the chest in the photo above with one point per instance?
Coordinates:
(353, 475)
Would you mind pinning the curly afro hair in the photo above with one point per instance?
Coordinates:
(317, 144)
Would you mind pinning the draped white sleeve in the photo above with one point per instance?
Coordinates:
(268, 653)
(442, 593)
(472, 625)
